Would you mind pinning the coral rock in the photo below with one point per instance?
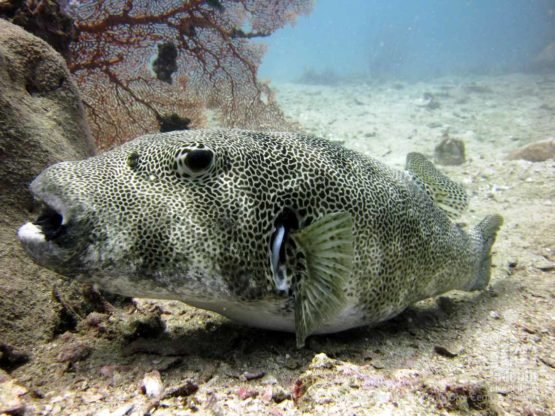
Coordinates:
(449, 152)
(41, 122)
(535, 152)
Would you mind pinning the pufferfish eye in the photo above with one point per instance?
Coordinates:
(193, 161)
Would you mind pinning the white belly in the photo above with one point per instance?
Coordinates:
(268, 315)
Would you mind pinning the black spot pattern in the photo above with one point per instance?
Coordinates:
(157, 223)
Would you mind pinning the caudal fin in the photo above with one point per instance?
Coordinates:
(485, 233)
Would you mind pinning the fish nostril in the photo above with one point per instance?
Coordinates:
(50, 222)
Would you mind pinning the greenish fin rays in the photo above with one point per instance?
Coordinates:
(447, 195)
(485, 233)
(328, 248)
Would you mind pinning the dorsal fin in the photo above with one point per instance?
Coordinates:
(328, 247)
(447, 195)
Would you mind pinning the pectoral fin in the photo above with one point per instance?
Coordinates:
(328, 247)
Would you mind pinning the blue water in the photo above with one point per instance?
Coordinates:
(411, 39)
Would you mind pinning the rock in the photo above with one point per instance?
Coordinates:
(73, 352)
(462, 397)
(299, 389)
(42, 121)
(252, 375)
(247, 393)
(291, 363)
(548, 361)
(124, 410)
(494, 315)
(449, 352)
(535, 152)
(450, 151)
(378, 364)
(183, 390)
(544, 265)
(148, 326)
(10, 358)
(446, 304)
(267, 393)
(10, 398)
(152, 385)
(279, 394)
(47, 21)
(96, 319)
(321, 361)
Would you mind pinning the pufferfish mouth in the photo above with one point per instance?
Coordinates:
(49, 225)
(51, 222)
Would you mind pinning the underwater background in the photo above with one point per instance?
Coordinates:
(412, 40)
(469, 84)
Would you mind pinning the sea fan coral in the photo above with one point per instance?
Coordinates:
(138, 62)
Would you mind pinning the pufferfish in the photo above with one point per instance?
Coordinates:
(282, 231)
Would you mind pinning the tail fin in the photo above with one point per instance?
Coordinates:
(485, 232)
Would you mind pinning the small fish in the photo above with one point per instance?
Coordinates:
(276, 230)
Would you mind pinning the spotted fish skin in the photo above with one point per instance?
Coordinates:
(193, 215)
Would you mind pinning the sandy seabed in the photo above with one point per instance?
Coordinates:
(480, 353)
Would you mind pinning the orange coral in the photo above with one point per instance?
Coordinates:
(139, 61)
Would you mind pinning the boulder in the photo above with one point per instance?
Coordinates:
(42, 122)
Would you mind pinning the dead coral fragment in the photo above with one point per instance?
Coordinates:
(461, 397)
